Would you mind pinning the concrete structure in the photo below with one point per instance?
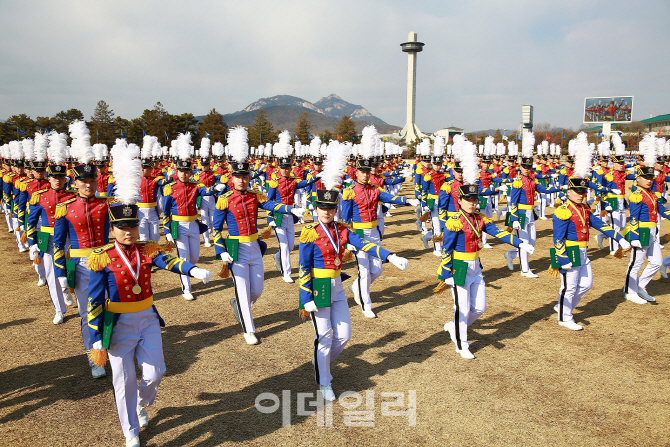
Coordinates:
(656, 123)
(448, 133)
(411, 132)
(526, 120)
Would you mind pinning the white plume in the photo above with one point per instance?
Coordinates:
(489, 146)
(205, 145)
(217, 149)
(156, 149)
(127, 171)
(648, 149)
(81, 141)
(469, 163)
(99, 151)
(41, 146)
(57, 148)
(283, 149)
(604, 148)
(368, 142)
(315, 147)
(527, 145)
(28, 146)
(333, 167)
(147, 146)
(184, 147)
(238, 146)
(583, 156)
(16, 150)
(423, 148)
(438, 146)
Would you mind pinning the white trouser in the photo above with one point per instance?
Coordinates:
(17, 234)
(419, 213)
(55, 290)
(188, 249)
(159, 201)
(286, 237)
(207, 207)
(436, 231)
(381, 224)
(248, 276)
(527, 235)
(148, 224)
(544, 199)
(332, 331)
(369, 269)
(469, 303)
(637, 258)
(574, 285)
(496, 199)
(8, 217)
(136, 334)
(39, 268)
(81, 290)
(617, 220)
(488, 212)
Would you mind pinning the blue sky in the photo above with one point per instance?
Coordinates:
(482, 59)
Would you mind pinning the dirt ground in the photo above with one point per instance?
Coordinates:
(533, 382)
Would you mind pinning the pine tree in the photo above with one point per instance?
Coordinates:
(157, 121)
(261, 131)
(23, 122)
(102, 123)
(303, 128)
(186, 122)
(214, 124)
(345, 129)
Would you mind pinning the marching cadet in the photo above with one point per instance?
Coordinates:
(282, 190)
(84, 222)
(150, 185)
(460, 268)
(322, 245)
(123, 322)
(521, 206)
(180, 220)
(571, 223)
(241, 251)
(41, 220)
(643, 232)
(431, 183)
(208, 178)
(359, 208)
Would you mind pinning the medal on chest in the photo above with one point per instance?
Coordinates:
(473, 224)
(336, 245)
(137, 289)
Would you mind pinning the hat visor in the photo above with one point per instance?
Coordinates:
(121, 223)
(580, 189)
(326, 205)
(469, 196)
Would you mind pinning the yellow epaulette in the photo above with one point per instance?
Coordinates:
(563, 212)
(110, 179)
(110, 200)
(168, 189)
(222, 202)
(99, 259)
(635, 197)
(262, 198)
(35, 197)
(599, 171)
(564, 172)
(6, 178)
(348, 193)
(61, 208)
(308, 233)
(517, 183)
(487, 220)
(22, 186)
(506, 170)
(446, 186)
(342, 224)
(454, 223)
(153, 248)
(273, 183)
(426, 178)
(609, 177)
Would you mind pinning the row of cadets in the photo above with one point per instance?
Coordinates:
(241, 251)
(41, 218)
(543, 177)
(382, 180)
(14, 153)
(151, 183)
(571, 225)
(317, 151)
(431, 182)
(34, 187)
(448, 204)
(359, 209)
(208, 179)
(460, 267)
(26, 153)
(180, 219)
(83, 221)
(488, 182)
(300, 172)
(283, 190)
(123, 323)
(322, 245)
(101, 161)
(615, 203)
(522, 204)
(508, 174)
(646, 208)
(420, 165)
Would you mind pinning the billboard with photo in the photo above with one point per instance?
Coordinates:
(613, 109)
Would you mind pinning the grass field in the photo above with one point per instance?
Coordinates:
(533, 382)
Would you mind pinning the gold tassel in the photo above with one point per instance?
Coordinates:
(24, 237)
(167, 247)
(98, 356)
(16, 229)
(98, 261)
(439, 288)
(306, 214)
(667, 238)
(347, 256)
(224, 273)
(557, 203)
(266, 233)
(603, 213)
(303, 314)
(619, 253)
(510, 229)
(437, 238)
(553, 272)
(425, 217)
(37, 260)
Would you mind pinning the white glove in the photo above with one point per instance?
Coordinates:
(350, 247)
(503, 189)
(564, 187)
(272, 223)
(527, 248)
(616, 192)
(399, 262)
(220, 187)
(298, 212)
(62, 282)
(98, 345)
(425, 209)
(567, 266)
(516, 225)
(225, 257)
(21, 228)
(449, 282)
(201, 274)
(34, 250)
(608, 208)
(624, 244)
(169, 237)
(414, 202)
(310, 307)
(636, 244)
